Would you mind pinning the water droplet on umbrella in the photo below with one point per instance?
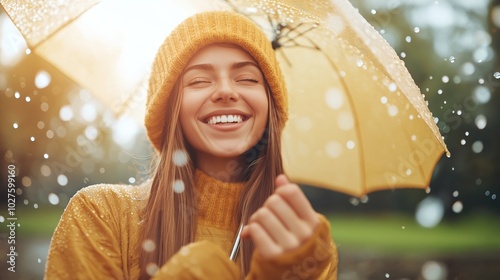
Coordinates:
(151, 269)
(42, 79)
(496, 75)
(148, 245)
(180, 157)
(53, 198)
(350, 144)
(178, 186)
(408, 172)
(15, 125)
(383, 100)
(333, 149)
(393, 87)
(364, 199)
(393, 110)
(457, 207)
(410, 117)
(359, 62)
(62, 180)
(334, 98)
(445, 79)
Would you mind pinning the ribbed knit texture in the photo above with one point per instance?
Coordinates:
(186, 40)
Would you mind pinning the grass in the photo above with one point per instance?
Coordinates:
(397, 234)
(378, 233)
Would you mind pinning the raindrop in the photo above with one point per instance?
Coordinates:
(102, 170)
(493, 196)
(180, 157)
(151, 268)
(463, 142)
(53, 199)
(468, 68)
(408, 39)
(2, 219)
(364, 199)
(416, 30)
(455, 194)
(496, 75)
(403, 55)
(429, 212)
(387, 275)
(32, 139)
(354, 201)
(432, 270)
(487, 193)
(15, 125)
(445, 79)
(35, 206)
(17, 95)
(414, 138)
(91, 132)
(62, 180)
(148, 245)
(408, 172)
(383, 100)
(26, 202)
(49, 134)
(480, 121)
(45, 156)
(457, 207)
(481, 81)
(42, 79)
(459, 112)
(350, 144)
(457, 80)
(45, 170)
(86, 180)
(28, 99)
(452, 59)
(39, 260)
(403, 227)
(26, 181)
(334, 98)
(40, 125)
(482, 94)
(178, 186)
(359, 62)
(411, 117)
(440, 91)
(478, 182)
(466, 133)
(66, 113)
(131, 180)
(477, 147)
(373, 11)
(88, 112)
(28, 51)
(44, 107)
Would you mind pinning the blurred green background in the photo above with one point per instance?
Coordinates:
(60, 139)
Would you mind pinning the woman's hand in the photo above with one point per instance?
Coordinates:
(283, 223)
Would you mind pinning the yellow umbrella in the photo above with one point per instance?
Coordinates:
(358, 123)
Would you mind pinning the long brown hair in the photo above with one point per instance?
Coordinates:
(169, 218)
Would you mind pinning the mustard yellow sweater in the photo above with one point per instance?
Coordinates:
(98, 234)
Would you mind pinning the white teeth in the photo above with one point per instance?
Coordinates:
(225, 119)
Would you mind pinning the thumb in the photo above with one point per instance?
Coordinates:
(281, 180)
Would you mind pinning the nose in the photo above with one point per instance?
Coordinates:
(225, 91)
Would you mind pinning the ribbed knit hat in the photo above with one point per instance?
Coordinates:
(186, 40)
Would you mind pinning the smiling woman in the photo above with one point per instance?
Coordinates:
(215, 112)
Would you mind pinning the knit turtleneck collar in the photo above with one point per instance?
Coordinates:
(217, 201)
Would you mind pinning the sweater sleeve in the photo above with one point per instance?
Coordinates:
(199, 260)
(316, 259)
(85, 244)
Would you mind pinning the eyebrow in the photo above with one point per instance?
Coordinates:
(210, 67)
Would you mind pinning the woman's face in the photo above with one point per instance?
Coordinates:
(224, 107)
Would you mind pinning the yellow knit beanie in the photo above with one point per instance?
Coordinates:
(186, 40)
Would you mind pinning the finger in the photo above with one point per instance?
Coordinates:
(264, 244)
(281, 180)
(275, 228)
(294, 196)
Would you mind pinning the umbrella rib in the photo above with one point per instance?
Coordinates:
(355, 116)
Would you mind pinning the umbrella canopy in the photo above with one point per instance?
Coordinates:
(358, 123)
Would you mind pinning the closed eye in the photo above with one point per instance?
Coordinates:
(249, 80)
(198, 81)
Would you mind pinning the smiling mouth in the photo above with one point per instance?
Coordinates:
(225, 119)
